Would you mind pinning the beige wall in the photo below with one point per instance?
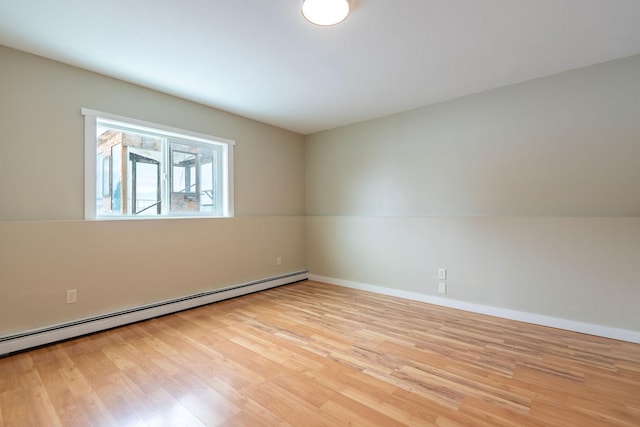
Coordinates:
(529, 195)
(46, 247)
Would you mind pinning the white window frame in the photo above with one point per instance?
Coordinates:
(91, 118)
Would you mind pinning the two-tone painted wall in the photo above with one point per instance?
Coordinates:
(529, 196)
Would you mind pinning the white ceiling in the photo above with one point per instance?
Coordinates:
(261, 59)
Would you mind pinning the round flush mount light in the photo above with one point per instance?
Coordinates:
(325, 12)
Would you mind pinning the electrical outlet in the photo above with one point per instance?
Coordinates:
(442, 274)
(279, 260)
(72, 296)
(442, 288)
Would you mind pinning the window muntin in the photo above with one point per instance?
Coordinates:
(143, 170)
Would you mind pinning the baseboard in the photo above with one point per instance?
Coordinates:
(54, 333)
(537, 319)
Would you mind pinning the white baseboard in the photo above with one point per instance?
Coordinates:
(50, 334)
(537, 319)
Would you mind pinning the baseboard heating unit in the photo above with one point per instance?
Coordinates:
(63, 331)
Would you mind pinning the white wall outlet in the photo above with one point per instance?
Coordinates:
(442, 273)
(442, 288)
(279, 260)
(72, 296)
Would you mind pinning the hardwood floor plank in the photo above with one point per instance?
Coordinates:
(311, 354)
(345, 411)
(36, 396)
(14, 407)
(376, 395)
(66, 408)
(496, 415)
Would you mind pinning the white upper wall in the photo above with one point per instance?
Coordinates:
(564, 145)
(42, 140)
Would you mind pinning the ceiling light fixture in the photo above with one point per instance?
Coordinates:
(325, 12)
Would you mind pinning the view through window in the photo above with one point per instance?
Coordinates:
(142, 171)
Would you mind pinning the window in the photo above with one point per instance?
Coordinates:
(140, 169)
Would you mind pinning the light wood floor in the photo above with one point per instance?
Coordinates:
(311, 354)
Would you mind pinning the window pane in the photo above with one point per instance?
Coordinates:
(184, 176)
(116, 177)
(146, 188)
(144, 185)
(106, 176)
(185, 186)
(207, 191)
